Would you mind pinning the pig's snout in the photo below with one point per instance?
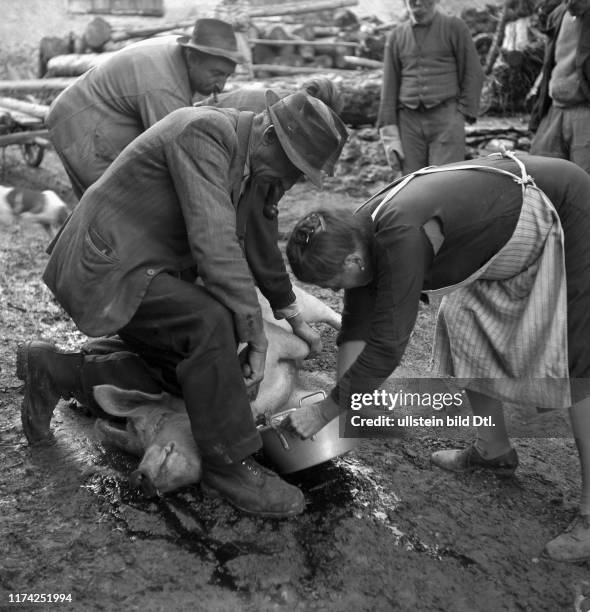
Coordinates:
(140, 480)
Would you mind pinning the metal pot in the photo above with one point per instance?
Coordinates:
(290, 453)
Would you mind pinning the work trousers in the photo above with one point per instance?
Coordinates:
(565, 133)
(186, 344)
(432, 137)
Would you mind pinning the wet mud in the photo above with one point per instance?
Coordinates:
(382, 530)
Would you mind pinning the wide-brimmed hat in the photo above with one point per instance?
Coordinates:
(214, 37)
(311, 134)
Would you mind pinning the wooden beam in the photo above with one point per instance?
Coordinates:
(57, 83)
(363, 62)
(300, 41)
(299, 7)
(286, 70)
(38, 111)
(119, 35)
(23, 137)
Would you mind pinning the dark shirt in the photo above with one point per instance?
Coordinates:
(477, 212)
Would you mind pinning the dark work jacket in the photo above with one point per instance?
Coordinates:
(170, 202)
(543, 101)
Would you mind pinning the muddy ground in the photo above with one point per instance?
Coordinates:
(382, 530)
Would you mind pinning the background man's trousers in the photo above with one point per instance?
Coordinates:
(432, 137)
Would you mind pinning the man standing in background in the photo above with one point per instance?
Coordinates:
(561, 115)
(432, 82)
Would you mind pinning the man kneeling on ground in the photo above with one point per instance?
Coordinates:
(171, 210)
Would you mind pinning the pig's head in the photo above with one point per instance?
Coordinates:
(159, 425)
(167, 468)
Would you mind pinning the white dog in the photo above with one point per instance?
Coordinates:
(43, 207)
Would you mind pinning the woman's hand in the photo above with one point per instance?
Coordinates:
(308, 420)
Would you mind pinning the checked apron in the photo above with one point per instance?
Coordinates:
(504, 328)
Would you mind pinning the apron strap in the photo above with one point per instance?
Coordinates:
(524, 179)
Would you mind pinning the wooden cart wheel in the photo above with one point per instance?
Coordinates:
(33, 153)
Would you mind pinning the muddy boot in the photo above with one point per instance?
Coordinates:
(574, 543)
(253, 489)
(49, 374)
(469, 459)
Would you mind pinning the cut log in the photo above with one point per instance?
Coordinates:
(119, 35)
(320, 31)
(97, 33)
(516, 41)
(360, 91)
(303, 30)
(34, 85)
(298, 7)
(50, 46)
(270, 69)
(75, 64)
(28, 108)
(263, 54)
(494, 49)
(362, 62)
(318, 44)
(323, 61)
(23, 137)
(151, 8)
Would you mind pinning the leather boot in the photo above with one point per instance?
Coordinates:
(49, 374)
(469, 459)
(253, 489)
(573, 544)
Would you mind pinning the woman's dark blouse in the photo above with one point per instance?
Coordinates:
(477, 211)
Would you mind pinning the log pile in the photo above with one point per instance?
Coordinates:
(511, 45)
(302, 35)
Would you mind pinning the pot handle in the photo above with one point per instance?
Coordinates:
(281, 437)
(305, 397)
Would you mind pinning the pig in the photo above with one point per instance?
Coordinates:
(158, 428)
(43, 207)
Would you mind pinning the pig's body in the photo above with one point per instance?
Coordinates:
(158, 427)
(43, 207)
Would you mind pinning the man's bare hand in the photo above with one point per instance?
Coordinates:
(255, 358)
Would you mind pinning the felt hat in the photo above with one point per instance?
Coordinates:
(311, 134)
(214, 37)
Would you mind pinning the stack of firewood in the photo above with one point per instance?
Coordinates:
(290, 38)
(511, 45)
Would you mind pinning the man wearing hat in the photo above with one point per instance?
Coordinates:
(97, 116)
(153, 253)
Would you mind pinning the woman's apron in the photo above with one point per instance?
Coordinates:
(504, 328)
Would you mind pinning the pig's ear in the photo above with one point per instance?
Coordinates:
(125, 402)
